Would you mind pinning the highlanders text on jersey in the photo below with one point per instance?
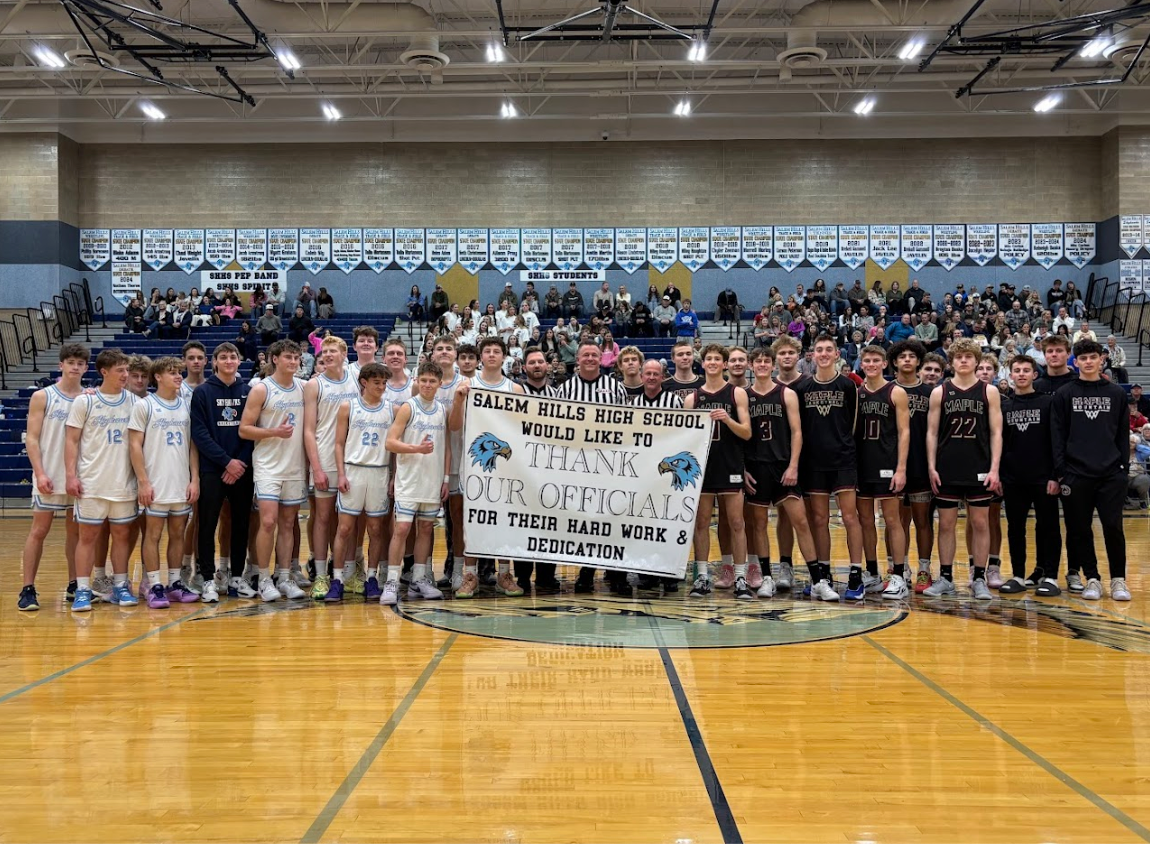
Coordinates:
(167, 441)
(419, 477)
(57, 406)
(331, 395)
(277, 459)
(105, 464)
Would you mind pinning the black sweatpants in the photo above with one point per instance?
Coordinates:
(213, 493)
(1081, 497)
(544, 572)
(1017, 501)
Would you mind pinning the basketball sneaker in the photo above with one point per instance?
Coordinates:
(822, 591)
(322, 585)
(28, 602)
(980, 590)
(754, 575)
(354, 585)
(289, 589)
(210, 595)
(742, 591)
(726, 578)
(922, 581)
(896, 589)
(701, 588)
(1074, 582)
(872, 582)
(194, 584)
(240, 588)
(468, 585)
(371, 590)
(504, 584)
(994, 577)
(220, 579)
(1093, 590)
(300, 579)
(122, 595)
(268, 591)
(940, 587)
(1118, 589)
(1048, 588)
(855, 593)
(767, 589)
(182, 594)
(423, 589)
(82, 602)
(102, 587)
(334, 592)
(188, 573)
(785, 582)
(390, 596)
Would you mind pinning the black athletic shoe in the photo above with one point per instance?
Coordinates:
(742, 591)
(547, 587)
(311, 569)
(70, 592)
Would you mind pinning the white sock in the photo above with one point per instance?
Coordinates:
(108, 568)
(224, 564)
(418, 571)
(504, 566)
(471, 568)
(727, 560)
(348, 571)
(173, 576)
(373, 572)
(923, 565)
(120, 579)
(154, 578)
(702, 569)
(83, 583)
(321, 568)
(752, 559)
(393, 573)
(283, 574)
(740, 570)
(266, 574)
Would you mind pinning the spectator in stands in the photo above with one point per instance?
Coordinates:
(1055, 296)
(864, 322)
(686, 321)
(894, 303)
(926, 331)
(161, 324)
(417, 304)
(856, 295)
(875, 296)
(170, 296)
(533, 341)
(1063, 320)
(134, 317)
(851, 351)
(1016, 317)
(1137, 420)
(1138, 483)
(247, 342)
(654, 297)
(610, 352)
(1084, 333)
(568, 349)
(278, 298)
(306, 362)
(839, 303)
(230, 308)
(306, 298)
(258, 301)
(603, 299)
(901, 330)
(529, 304)
(1074, 301)
(673, 292)
(624, 295)
(300, 326)
(642, 321)
(1142, 401)
(508, 296)
(665, 317)
(727, 306)
(548, 345)
(269, 326)
(316, 338)
(622, 317)
(553, 303)
(573, 302)
(324, 304)
(818, 295)
(440, 303)
(774, 297)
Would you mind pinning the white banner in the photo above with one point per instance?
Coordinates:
(1130, 274)
(853, 245)
(694, 247)
(541, 277)
(567, 248)
(630, 249)
(949, 245)
(505, 249)
(536, 248)
(884, 245)
(473, 249)
(981, 242)
(598, 248)
(662, 248)
(126, 282)
(315, 249)
(570, 483)
(1046, 243)
(726, 246)
(1146, 276)
(410, 249)
(95, 247)
(125, 246)
(822, 246)
(188, 247)
(1130, 234)
(157, 248)
(442, 248)
(220, 247)
(1014, 244)
(1081, 243)
(916, 245)
(283, 248)
(347, 249)
(790, 246)
(242, 281)
(378, 248)
(251, 248)
(758, 246)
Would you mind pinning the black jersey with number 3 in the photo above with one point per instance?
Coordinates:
(725, 460)
(963, 456)
(876, 434)
(770, 440)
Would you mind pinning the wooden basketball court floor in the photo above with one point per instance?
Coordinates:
(576, 719)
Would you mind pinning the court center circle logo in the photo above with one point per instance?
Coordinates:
(607, 621)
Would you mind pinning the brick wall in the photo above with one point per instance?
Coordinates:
(704, 183)
(29, 187)
(1133, 163)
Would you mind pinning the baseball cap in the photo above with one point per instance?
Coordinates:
(268, 307)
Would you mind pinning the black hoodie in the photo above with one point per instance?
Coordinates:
(1090, 430)
(216, 412)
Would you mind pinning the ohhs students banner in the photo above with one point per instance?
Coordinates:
(572, 483)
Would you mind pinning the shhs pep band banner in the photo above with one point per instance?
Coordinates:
(577, 484)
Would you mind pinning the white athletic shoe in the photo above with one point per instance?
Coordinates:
(1118, 589)
(220, 578)
(767, 590)
(196, 584)
(299, 578)
(390, 596)
(822, 591)
(288, 588)
(1093, 590)
(210, 595)
(896, 589)
(871, 582)
(268, 591)
(423, 589)
(980, 590)
(187, 575)
(242, 588)
(785, 582)
(940, 587)
(457, 577)
(102, 587)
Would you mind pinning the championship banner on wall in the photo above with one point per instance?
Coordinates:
(1130, 234)
(125, 246)
(1081, 243)
(884, 245)
(949, 245)
(853, 245)
(125, 282)
(822, 246)
(598, 248)
(189, 249)
(578, 484)
(567, 248)
(219, 247)
(157, 248)
(726, 246)
(95, 247)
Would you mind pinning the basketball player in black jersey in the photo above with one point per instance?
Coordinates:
(772, 468)
(787, 352)
(829, 405)
(683, 380)
(736, 376)
(987, 372)
(916, 500)
(723, 477)
(882, 437)
(963, 450)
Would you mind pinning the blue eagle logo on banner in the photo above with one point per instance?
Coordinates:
(684, 469)
(486, 448)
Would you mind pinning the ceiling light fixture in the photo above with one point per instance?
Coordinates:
(864, 106)
(152, 112)
(49, 58)
(287, 59)
(698, 51)
(494, 53)
(509, 110)
(331, 112)
(683, 108)
(911, 49)
(1095, 47)
(1048, 103)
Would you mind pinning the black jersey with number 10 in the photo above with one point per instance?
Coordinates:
(877, 434)
(963, 455)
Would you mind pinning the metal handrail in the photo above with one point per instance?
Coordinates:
(27, 344)
(1091, 286)
(61, 304)
(95, 306)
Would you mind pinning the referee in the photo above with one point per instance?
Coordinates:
(590, 385)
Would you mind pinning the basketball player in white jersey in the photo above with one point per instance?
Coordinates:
(492, 351)
(47, 428)
(418, 438)
(443, 353)
(167, 469)
(399, 389)
(362, 476)
(322, 398)
(99, 476)
(365, 342)
(273, 419)
(195, 358)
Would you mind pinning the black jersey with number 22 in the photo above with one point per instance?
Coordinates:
(963, 456)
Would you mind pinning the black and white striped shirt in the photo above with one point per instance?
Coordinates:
(665, 398)
(603, 390)
(547, 391)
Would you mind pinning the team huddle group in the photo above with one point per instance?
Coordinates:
(378, 449)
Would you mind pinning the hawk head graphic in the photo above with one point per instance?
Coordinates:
(683, 468)
(485, 449)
